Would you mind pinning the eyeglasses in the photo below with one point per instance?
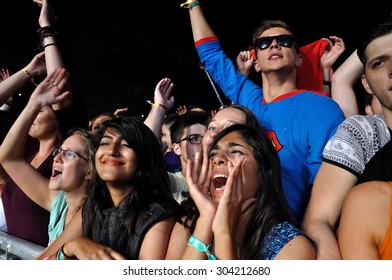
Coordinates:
(193, 139)
(284, 40)
(71, 154)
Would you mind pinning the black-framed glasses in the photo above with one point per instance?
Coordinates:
(71, 154)
(284, 40)
(193, 139)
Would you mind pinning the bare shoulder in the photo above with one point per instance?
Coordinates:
(372, 193)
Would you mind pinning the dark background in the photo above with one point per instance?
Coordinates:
(117, 50)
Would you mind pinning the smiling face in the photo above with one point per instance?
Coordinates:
(70, 173)
(116, 161)
(224, 152)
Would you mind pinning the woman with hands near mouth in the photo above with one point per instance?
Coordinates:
(239, 211)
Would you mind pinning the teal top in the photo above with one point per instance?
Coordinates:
(58, 213)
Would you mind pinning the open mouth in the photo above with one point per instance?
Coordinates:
(219, 182)
(56, 172)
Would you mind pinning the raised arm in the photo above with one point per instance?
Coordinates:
(21, 78)
(49, 42)
(31, 181)
(163, 102)
(200, 27)
(332, 52)
(342, 83)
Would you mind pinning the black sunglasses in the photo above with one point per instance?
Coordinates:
(193, 139)
(284, 40)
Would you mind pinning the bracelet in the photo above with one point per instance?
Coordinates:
(327, 83)
(28, 74)
(201, 247)
(159, 105)
(61, 254)
(189, 4)
(51, 44)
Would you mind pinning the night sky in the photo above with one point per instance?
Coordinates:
(116, 54)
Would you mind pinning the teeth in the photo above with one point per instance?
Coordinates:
(57, 171)
(220, 176)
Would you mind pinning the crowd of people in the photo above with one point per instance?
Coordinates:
(290, 170)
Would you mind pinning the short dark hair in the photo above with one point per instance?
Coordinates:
(186, 120)
(271, 23)
(380, 28)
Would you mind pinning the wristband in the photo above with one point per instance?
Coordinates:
(61, 254)
(327, 83)
(189, 4)
(28, 74)
(159, 105)
(201, 247)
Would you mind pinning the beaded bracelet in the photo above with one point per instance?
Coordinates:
(201, 247)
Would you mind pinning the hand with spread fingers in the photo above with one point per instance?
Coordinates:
(51, 90)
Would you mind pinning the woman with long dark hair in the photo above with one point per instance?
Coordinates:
(241, 210)
(129, 213)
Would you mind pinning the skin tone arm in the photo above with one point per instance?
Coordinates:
(53, 56)
(157, 114)
(12, 149)
(71, 232)
(86, 249)
(365, 221)
(342, 82)
(200, 27)
(331, 186)
(156, 241)
(13, 83)
(331, 53)
(76, 245)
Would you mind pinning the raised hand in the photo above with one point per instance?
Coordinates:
(244, 62)
(4, 73)
(52, 89)
(162, 93)
(47, 16)
(199, 189)
(37, 66)
(332, 52)
(181, 110)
